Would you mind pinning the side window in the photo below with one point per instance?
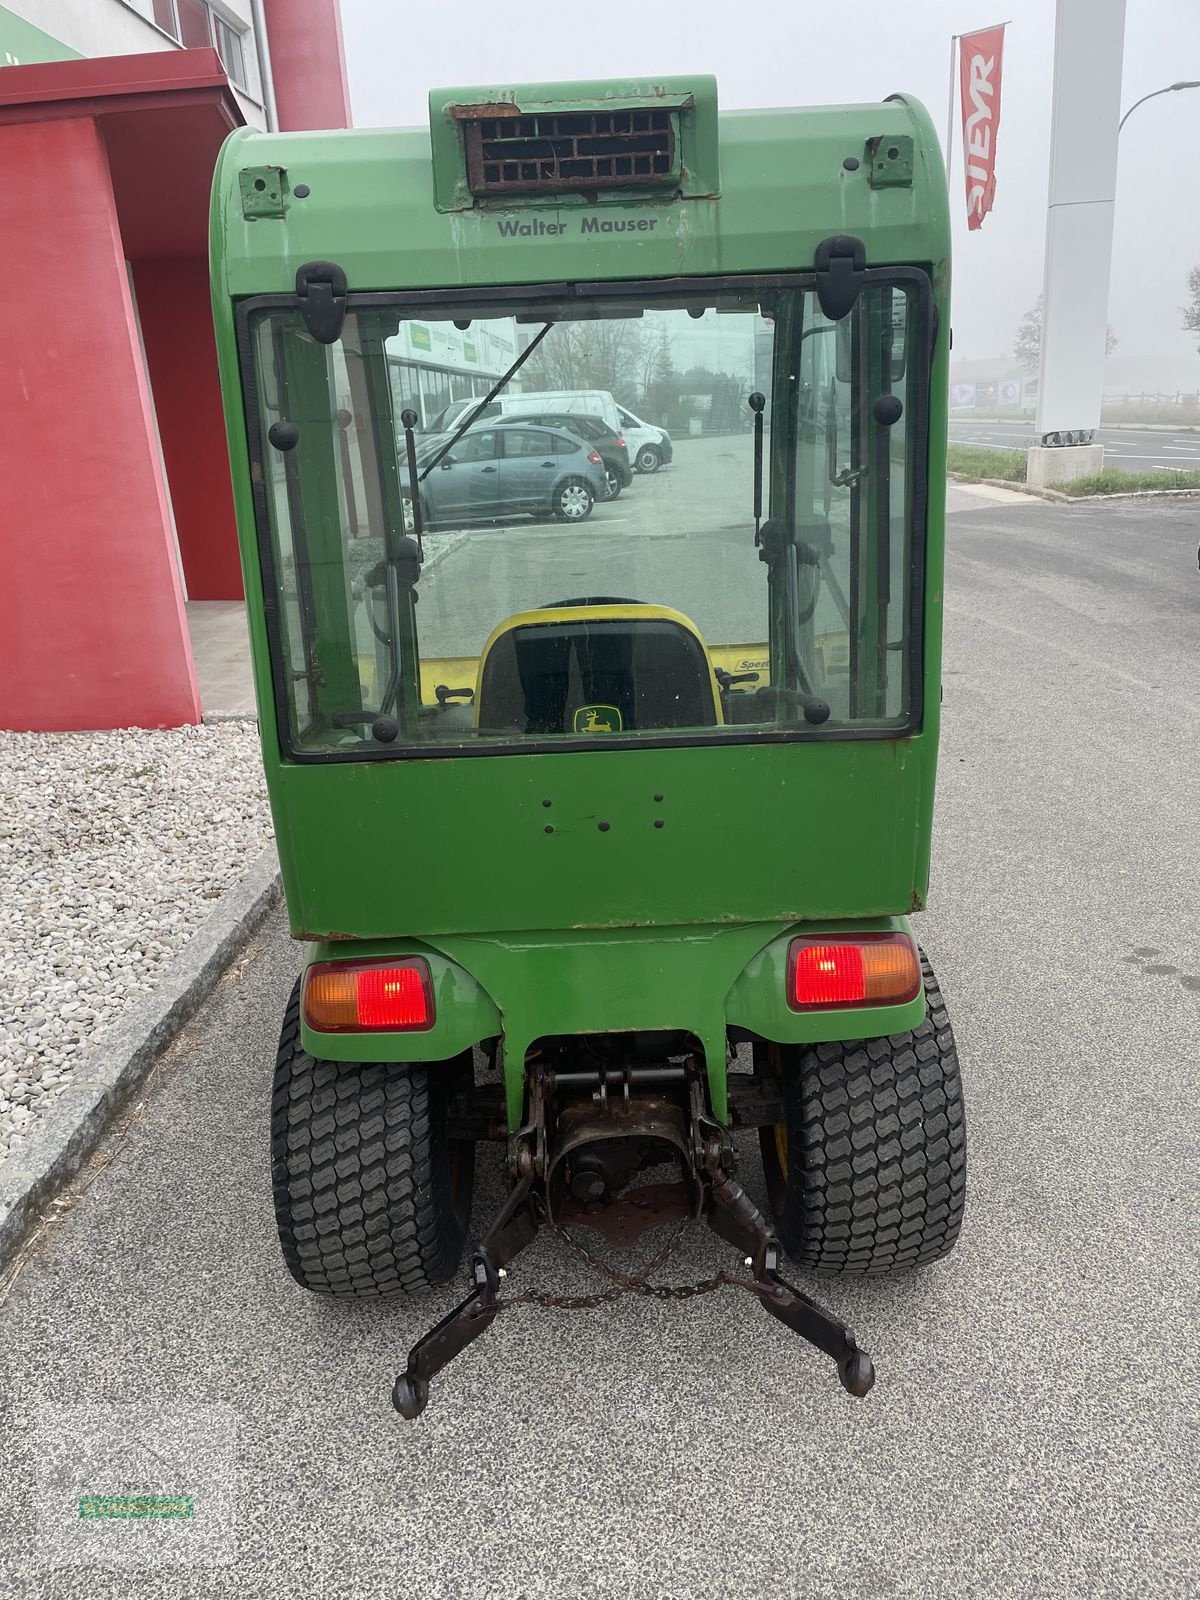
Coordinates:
(525, 442)
(564, 447)
(475, 447)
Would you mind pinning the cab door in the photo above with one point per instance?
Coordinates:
(466, 483)
(528, 469)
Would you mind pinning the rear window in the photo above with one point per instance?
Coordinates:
(769, 593)
(525, 442)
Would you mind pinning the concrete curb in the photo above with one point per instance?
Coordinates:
(1074, 499)
(1132, 494)
(1016, 487)
(112, 1070)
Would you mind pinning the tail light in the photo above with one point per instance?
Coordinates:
(621, 443)
(594, 459)
(368, 996)
(869, 969)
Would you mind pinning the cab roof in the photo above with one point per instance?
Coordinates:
(762, 190)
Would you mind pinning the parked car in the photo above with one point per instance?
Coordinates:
(589, 402)
(492, 473)
(609, 446)
(649, 447)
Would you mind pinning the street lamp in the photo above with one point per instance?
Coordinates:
(1169, 89)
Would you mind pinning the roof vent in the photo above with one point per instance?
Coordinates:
(555, 144)
(568, 150)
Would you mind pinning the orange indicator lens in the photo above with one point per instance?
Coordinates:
(381, 996)
(870, 969)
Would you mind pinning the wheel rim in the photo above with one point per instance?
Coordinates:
(457, 1167)
(648, 460)
(574, 502)
(614, 483)
(780, 1132)
(779, 1129)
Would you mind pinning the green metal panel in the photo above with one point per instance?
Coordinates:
(783, 188)
(891, 162)
(755, 833)
(21, 43)
(264, 191)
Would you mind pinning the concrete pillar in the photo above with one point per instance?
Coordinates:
(181, 352)
(308, 63)
(1047, 468)
(94, 631)
(1089, 40)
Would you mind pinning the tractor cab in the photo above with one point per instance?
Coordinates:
(602, 819)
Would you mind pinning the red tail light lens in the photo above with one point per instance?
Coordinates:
(621, 442)
(870, 969)
(594, 458)
(371, 997)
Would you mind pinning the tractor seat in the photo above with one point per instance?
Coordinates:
(622, 667)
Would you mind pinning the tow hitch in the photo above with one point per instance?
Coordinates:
(650, 1107)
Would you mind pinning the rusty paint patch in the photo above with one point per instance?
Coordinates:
(490, 108)
(917, 903)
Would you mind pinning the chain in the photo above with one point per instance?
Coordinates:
(624, 1283)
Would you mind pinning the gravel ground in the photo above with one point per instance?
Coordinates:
(113, 848)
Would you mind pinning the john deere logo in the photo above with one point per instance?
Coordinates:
(598, 719)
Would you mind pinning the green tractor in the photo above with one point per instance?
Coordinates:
(603, 820)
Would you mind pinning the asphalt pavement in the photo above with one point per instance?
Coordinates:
(1029, 1432)
(1130, 449)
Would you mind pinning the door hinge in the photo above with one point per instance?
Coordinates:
(840, 262)
(321, 292)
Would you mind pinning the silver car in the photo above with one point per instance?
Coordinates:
(496, 473)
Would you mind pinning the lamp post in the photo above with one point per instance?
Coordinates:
(1169, 89)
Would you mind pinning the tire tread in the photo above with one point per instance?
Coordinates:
(360, 1174)
(877, 1149)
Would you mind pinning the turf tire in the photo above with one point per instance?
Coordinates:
(372, 1198)
(875, 1143)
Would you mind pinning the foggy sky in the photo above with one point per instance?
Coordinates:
(787, 52)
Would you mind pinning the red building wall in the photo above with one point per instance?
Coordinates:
(94, 612)
(308, 63)
(172, 298)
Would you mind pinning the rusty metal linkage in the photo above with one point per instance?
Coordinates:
(708, 1151)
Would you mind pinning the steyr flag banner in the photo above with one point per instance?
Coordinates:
(980, 58)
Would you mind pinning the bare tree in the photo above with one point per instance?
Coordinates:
(601, 354)
(1028, 345)
(1191, 313)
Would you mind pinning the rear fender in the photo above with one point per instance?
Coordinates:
(758, 999)
(464, 1013)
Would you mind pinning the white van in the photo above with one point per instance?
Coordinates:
(649, 447)
(588, 402)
